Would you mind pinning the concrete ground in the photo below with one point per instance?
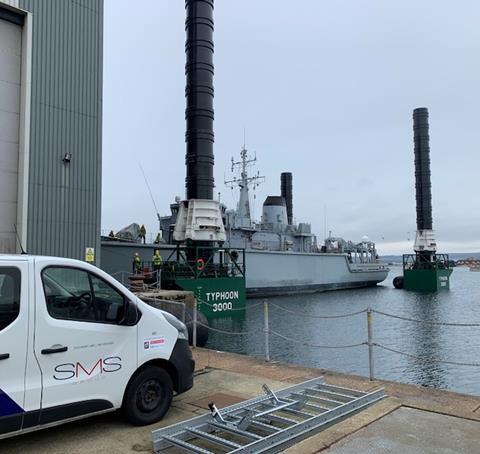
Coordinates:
(407, 430)
(410, 419)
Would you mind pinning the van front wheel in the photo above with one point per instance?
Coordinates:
(148, 396)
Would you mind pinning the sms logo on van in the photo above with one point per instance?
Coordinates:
(68, 371)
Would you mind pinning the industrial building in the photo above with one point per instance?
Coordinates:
(51, 61)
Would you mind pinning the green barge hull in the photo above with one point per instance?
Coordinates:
(424, 274)
(427, 280)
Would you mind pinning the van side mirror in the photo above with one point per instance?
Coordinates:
(132, 314)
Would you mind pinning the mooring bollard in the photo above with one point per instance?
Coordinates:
(194, 328)
(266, 330)
(370, 343)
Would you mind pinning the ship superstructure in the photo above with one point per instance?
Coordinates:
(281, 256)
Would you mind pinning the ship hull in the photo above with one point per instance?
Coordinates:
(272, 273)
(268, 273)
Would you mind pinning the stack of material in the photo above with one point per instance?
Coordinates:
(135, 283)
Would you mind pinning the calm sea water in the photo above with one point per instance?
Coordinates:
(460, 344)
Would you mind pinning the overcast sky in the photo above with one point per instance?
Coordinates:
(325, 89)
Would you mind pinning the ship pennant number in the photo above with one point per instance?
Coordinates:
(218, 307)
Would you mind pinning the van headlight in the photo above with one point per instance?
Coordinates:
(176, 323)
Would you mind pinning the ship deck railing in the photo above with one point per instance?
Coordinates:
(201, 262)
(421, 261)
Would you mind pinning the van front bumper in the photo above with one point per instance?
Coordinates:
(184, 364)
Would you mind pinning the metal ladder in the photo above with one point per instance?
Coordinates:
(268, 423)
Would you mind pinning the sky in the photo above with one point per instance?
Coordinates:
(324, 89)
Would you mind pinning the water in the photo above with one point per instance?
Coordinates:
(459, 344)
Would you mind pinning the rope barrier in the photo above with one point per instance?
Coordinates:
(429, 322)
(303, 314)
(167, 302)
(316, 345)
(237, 333)
(233, 308)
(426, 358)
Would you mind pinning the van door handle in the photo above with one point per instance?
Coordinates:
(4, 356)
(49, 351)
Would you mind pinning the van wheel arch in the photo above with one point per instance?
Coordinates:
(164, 364)
(148, 395)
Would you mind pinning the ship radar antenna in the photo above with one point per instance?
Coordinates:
(244, 182)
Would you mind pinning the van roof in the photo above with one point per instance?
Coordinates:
(28, 258)
(15, 257)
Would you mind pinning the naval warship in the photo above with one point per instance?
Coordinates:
(221, 254)
(282, 257)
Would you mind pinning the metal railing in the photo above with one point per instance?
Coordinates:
(199, 262)
(369, 342)
(420, 261)
(153, 278)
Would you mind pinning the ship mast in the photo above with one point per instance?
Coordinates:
(243, 216)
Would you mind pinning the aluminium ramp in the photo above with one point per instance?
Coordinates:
(268, 423)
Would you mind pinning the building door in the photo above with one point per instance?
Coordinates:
(10, 82)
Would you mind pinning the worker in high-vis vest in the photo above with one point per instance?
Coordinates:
(137, 263)
(157, 261)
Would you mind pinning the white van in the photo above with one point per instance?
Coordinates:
(74, 342)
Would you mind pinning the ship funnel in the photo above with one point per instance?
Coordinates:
(287, 194)
(199, 99)
(422, 169)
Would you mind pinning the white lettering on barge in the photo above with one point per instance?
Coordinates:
(220, 296)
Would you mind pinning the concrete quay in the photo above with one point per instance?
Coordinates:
(411, 419)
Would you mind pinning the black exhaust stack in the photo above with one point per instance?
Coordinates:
(425, 270)
(423, 186)
(287, 194)
(199, 99)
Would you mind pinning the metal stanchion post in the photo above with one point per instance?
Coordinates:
(266, 330)
(194, 327)
(370, 343)
(184, 312)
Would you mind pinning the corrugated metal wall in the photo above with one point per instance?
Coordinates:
(64, 201)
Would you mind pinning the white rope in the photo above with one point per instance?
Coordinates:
(426, 358)
(315, 345)
(429, 322)
(303, 314)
